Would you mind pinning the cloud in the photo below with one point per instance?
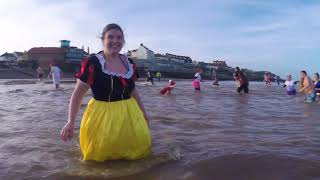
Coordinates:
(254, 34)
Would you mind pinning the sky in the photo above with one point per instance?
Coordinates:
(281, 36)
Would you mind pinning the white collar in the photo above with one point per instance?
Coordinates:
(102, 61)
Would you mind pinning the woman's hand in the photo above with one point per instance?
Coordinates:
(67, 131)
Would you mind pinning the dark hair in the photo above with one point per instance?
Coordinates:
(110, 27)
(304, 72)
(317, 74)
(237, 68)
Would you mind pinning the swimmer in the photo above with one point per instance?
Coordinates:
(241, 80)
(149, 76)
(308, 87)
(317, 83)
(216, 83)
(56, 75)
(290, 84)
(197, 79)
(167, 90)
(277, 80)
(159, 76)
(267, 79)
(40, 73)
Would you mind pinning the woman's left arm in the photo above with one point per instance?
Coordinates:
(135, 95)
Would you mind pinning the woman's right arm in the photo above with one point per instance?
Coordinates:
(75, 102)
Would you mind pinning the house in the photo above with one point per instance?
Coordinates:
(74, 55)
(160, 57)
(19, 55)
(177, 58)
(46, 55)
(63, 54)
(218, 63)
(207, 65)
(8, 57)
(141, 53)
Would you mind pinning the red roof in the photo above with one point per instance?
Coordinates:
(46, 50)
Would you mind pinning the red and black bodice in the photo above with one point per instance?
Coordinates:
(106, 85)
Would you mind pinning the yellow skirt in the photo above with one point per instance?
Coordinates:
(114, 130)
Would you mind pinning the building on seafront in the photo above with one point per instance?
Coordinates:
(214, 64)
(8, 57)
(177, 58)
(173, 57)
(20, 55)
(218, 63)
(161, 57)
(65, 54)
(145, 53)
(141, 53)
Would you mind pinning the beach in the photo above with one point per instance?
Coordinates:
(212, 134)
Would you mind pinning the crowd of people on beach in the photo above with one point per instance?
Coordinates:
(115, 113)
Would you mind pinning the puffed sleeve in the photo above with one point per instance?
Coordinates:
(86, 73)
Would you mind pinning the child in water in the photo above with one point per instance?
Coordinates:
(167, 90)
(290, 84)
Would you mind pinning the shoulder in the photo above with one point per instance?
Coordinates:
(90, 60)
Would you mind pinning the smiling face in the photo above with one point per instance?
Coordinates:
(113, 41)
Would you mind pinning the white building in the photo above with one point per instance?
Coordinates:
(141, 53)
(177, 58)
(161, 57)
(8, 57)
(19, 55)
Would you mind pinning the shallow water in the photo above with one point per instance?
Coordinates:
(215, 134)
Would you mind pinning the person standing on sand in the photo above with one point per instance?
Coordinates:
(56, 74)
(159, 76)
(40, 72)
(308, 87)
(242, 81)
(115, 124)
(149, 77)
